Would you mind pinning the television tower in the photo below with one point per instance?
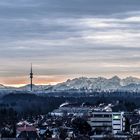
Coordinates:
(31, 77)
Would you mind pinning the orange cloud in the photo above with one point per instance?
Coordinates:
(39, 80)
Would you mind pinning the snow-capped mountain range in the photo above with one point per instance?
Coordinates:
(129, 84)
(98, 84)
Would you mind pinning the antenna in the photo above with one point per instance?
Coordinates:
(31, 77)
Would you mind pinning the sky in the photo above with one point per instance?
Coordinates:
(68, 38)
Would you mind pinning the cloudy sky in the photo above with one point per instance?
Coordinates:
(68, 38)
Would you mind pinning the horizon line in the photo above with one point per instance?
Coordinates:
(55, 83)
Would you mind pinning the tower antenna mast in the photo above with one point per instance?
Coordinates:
(31, 77)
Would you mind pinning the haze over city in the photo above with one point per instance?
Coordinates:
(68, 38)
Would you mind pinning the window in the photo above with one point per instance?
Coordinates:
(107, 115)
(98, 115)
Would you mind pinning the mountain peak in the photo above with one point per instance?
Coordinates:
(2, 86)
(115, 77)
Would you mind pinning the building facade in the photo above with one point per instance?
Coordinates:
(107, 122)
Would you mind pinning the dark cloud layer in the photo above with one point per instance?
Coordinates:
(69, 38)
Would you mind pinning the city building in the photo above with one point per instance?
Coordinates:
(107, 122)
(135, 129)
(71, 109)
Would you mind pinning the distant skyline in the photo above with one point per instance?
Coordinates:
(67, 39)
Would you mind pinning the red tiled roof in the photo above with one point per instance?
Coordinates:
(27, 128)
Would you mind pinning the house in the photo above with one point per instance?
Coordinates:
(27, 132)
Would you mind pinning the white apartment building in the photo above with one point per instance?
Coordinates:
(112, 122)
